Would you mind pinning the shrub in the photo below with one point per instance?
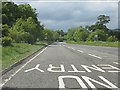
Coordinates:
(100, 33)
(6, 41)
(112, 39)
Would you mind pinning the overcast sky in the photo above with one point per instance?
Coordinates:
(63, 15)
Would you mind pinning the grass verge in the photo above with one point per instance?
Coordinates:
(12, 54)
(97, 43)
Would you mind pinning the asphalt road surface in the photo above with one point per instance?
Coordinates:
(68, 67)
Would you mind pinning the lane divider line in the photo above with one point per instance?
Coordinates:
(1, 85)
(95, 56)
(73, 49)
(80, 51)
(116, 63)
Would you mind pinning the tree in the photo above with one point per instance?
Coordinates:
(81, 34)
(70, 34)
(102, 19)
(48, 35)
(25, 28)
(16, 32)
(101, 35)
(21, 23)
(10, 13)
(56, 35)
(26, 11)
(115, 32)
(112, 39)
(5, 30)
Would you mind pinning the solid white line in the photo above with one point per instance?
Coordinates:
(80, 51)
(94, 56)
(1, 85)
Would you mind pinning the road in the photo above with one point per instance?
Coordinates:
(68, 66)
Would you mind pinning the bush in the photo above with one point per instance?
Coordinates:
(112, 39)
(6, 41)
(101, 36)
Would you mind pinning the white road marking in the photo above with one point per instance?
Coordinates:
(80, 51)
(88, 80)
(72, 48)
(94, 67)
(95, 56)
(116, 63)
(35, 68)
(75, 69)
(68, 47)
(109, 67)
(1, 85)
(59, 69)
(62, 84)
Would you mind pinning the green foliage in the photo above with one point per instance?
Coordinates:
(48, 35)
(70, 34)
(6, 41)
(27, 11)
(102, 19)
(5, 30)
(21, 23)
(25, 31)
(80, 34)
(77, 34)
(100, 24)
(17, 51)
(56, 35)
(112, 39)
(5, 19)
(17, 31)
(97, 43)
(115, 32)
(10, 13)
(60, 32)
(101, 35)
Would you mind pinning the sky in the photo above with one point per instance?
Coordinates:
(67, 14)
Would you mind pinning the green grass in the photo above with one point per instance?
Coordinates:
(97, 43)
(12, 54)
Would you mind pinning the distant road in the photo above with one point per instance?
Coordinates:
(69, 66)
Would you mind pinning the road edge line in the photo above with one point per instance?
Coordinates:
(19, 62)
(22, 67)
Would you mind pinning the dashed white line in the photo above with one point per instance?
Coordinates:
(80, 51)
(73, 49)
(116, 63)
(1, 85)
(95, 56)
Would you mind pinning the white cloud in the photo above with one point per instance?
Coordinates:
(62, 15)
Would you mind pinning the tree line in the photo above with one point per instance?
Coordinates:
(21, 25)
(96, 32)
